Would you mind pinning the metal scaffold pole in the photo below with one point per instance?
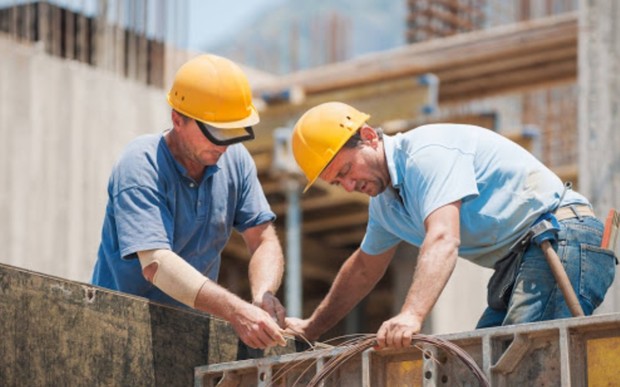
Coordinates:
(293, 249)
(284, 166)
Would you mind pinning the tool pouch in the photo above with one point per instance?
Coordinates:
(499, 288)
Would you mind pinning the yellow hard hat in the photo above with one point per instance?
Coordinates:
(320, 133)
(216, 93)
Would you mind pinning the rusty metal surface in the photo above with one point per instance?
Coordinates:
(577, 351)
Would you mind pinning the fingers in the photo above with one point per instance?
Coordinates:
(272, 305)
(396, 334)
(268, 337)
(382, 336)
(260, 331)
(400, 338)
(280, 314)
(292, 325)
(300, 329)
(276, 310)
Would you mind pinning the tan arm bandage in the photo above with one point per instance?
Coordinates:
(173, 275)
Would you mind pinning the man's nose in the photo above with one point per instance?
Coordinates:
(348, 185)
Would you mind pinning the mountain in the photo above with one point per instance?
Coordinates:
(297, 34)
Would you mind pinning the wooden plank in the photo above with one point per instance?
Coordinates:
(522, 79)
(451, 52)
(509, 63)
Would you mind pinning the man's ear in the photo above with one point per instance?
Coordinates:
(369, 135)
(177, 119)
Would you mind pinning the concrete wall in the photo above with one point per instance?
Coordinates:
(599, 112)
(62, 126)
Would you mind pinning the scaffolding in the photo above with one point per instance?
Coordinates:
(130, 38)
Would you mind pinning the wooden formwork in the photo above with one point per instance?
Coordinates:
(56, 332)
(570, 352)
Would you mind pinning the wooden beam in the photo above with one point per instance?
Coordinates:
(451, 52)
(509, 63)
(534, 77)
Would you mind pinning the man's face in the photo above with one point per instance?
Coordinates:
(362, 169)
(197, 147)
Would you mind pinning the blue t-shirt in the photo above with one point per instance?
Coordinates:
(502, 187)
(154, 204)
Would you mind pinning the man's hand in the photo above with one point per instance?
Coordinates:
(397, 331)
(299, 328)
(257, 328)
(272, 305)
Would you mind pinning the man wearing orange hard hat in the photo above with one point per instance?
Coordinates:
(174, 199)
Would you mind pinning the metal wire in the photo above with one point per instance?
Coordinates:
(357, 346)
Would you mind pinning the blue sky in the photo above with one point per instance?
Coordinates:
(211, 20)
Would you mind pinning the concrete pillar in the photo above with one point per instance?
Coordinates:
(599, 112)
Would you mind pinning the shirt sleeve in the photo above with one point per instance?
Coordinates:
(377, 239)
(143, 222)
(253, 208)
(438, 176)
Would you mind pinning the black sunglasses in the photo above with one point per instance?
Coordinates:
(204, 128)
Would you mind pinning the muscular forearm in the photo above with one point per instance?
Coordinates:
(180, 280)
(266, 268)
(253, 325)
(436, 262)
(435, 265)
(216, 300)
(267, 263)
(356, 278)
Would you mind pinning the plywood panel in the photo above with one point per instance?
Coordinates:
(57, 332)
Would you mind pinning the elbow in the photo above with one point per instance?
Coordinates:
(149, 271)
(454, 242)
(445, 244)
(451, 245)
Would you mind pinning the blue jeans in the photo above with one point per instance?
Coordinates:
(536, 296)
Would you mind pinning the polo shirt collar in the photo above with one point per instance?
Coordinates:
(390, 143)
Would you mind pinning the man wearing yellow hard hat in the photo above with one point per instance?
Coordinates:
(452, 190)
(174, 199)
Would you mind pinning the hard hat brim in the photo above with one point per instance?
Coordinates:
(250, 120)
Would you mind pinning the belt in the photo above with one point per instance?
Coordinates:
(573, 211)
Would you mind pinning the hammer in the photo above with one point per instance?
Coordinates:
(543, 232)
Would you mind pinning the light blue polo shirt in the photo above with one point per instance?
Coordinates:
(154, 204)
(503, 189)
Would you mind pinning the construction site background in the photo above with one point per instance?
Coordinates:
(76, 87)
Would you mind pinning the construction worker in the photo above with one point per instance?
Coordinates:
(175, 197)
(452, 190)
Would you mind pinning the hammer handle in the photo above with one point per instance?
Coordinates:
(562, 279)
